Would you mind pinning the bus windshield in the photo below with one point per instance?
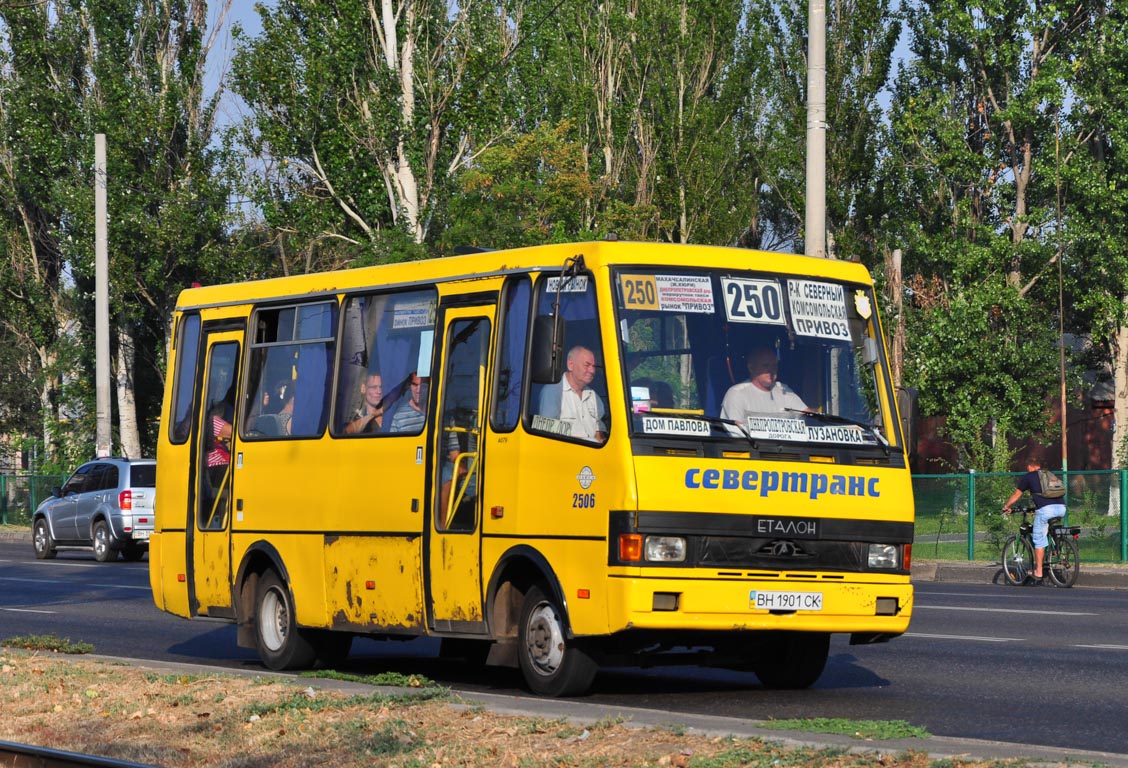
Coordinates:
(752, 355)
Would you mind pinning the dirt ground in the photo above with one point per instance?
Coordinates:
(144, 716)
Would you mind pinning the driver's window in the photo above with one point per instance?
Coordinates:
(574, 407)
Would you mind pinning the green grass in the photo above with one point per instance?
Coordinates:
(52, 643)
(859, 729)
(394, 679)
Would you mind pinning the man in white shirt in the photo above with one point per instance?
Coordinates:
(573, 401)
(763, 392)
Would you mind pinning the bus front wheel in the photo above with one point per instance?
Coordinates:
(552, 664)
(791, 659)
(280, 644)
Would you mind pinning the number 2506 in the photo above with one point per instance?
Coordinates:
(583, 500)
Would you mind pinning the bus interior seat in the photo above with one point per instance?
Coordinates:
(268, 424)
(719, 376)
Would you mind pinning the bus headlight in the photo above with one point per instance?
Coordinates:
(665, 549)
(882, 556)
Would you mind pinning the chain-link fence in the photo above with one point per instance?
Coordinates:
(959, 517)
(21, 494)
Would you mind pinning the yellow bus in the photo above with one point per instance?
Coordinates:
(551, 458)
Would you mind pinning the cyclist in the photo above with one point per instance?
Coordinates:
(1045, 509)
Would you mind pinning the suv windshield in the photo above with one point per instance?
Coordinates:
(753, 355)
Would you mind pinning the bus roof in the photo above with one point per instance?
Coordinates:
(596, 254)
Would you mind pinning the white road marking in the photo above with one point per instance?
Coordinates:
(1038, 611)
(25, 610)
(966, 637)
(57, 581)
(1105, 647)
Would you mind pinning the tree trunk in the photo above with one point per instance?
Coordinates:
(127, 403)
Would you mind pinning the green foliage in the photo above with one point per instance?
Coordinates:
(987, 362)
(530, 191)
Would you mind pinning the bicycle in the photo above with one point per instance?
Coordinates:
(1060, 562)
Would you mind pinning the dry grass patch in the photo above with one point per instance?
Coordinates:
(229, 721)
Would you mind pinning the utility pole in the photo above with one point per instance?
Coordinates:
(103, 432)
(815, 232)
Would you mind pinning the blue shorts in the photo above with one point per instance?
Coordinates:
(447, 474)
(1042, 523)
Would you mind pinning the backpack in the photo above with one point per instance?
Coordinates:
(1052, 485)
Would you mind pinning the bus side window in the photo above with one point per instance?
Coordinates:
(187, 353)
(387, 335)
(292, 349)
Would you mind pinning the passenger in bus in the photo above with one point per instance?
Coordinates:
(573, 401)
(369, 417)
(219, 444)
(274, 398)
(456, 444)
(409, 416)
(763, 392)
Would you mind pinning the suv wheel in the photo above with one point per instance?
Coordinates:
(103, 552)
(44, 543)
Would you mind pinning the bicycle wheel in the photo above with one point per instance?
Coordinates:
(1062, 561)
(1018, 560)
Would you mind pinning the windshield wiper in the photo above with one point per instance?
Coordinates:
(834, 418)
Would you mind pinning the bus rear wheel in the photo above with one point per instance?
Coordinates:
(791, 659)
(552, 664)
(280, 644)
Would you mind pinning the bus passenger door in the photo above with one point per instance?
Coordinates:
(210, 542)
(453, 569)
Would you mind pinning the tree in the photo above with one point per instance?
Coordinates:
(168, 207)
(858, 66)
(134, 71)
(1096, 126)
(973, 168)
(43, 78)
(359, 116)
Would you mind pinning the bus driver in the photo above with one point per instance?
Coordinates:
(763, 392)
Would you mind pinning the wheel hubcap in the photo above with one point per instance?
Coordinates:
(274, 620)
(545, 639)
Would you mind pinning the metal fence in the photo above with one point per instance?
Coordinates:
(21, 494)
(959, 517)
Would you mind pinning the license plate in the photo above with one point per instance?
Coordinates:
(141, 534)
(769, 600)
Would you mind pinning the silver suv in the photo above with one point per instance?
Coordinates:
(106, 504)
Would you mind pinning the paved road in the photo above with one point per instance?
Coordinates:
(978, 659)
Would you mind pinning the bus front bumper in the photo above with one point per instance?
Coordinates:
(875, 606)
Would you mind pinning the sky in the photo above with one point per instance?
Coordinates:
(219, 60)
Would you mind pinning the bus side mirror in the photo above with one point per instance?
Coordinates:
(909, 406)
(547, 355)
